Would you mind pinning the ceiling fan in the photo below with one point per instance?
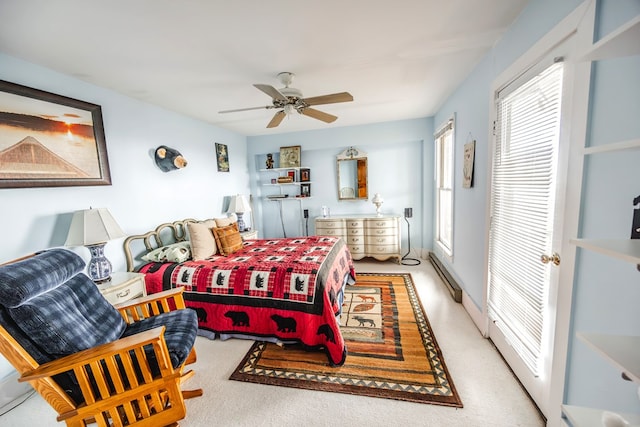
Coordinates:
(290, 100)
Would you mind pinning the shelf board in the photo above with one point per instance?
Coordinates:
(589, 417)
(623, 41)
(283, 169)
(624, 145)
(625, 249)
(622, 351)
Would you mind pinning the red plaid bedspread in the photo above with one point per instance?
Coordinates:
(288, 288)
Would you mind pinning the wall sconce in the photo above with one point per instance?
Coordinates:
(93, 228)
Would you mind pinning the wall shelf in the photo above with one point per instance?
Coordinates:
(624, 249)
(620, 350)
(621, 42)
(589, 417)
(624, 145)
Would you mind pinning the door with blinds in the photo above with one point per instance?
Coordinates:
(522, 264)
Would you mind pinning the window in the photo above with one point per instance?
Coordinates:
(444, 187)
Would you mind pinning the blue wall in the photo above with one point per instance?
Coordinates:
(400, 163)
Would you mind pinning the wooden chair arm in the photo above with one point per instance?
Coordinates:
(152, 305)
(106, 352)
(117, 383)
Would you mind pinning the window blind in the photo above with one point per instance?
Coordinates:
(522, 208)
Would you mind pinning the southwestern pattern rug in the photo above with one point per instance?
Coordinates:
(392, 351)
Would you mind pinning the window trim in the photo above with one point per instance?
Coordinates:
(446, 128)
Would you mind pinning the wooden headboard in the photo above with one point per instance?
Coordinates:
(135, 246)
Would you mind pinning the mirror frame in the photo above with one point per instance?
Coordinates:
(360, 157)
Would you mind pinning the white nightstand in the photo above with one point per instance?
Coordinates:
(123, 286)
(249, 235)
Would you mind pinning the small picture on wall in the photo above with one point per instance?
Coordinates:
(290, 157)
(305, 190)
(305, 175)
(222, 157)
(467, 167)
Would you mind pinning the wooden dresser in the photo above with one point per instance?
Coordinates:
(373, 236)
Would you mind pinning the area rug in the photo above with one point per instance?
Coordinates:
(392, 351)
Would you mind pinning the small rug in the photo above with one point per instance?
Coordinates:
(392, 352)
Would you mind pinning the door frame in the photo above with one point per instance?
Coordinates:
(578, 24)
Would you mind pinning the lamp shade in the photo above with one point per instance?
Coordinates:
(239, 204)
(92, 226)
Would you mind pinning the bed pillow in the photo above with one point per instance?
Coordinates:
(176, 252)
(203, 244)
(228, 239)
(223, 222)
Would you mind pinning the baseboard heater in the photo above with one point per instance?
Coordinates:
(449, 281)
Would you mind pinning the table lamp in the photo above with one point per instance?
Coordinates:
(93, 228)
(239, 205)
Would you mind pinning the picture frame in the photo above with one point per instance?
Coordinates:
(305, 175)
(50, 140)
(290, 157)
(467, 166)
(305, 190)
(222, 157)
(291, 173)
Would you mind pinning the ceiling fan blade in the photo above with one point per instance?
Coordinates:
(277, 119)
(271, 91)
(329, 99)
(246, 109)
(317, 114)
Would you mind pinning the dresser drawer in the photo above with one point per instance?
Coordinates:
(123, 287)
(382, 231)
(359, 231)
(355, 240)
(382, 249)
(323, 231)
(382, 223)
(382, 240)
(329, 223)
(355, 223)
(357, 251)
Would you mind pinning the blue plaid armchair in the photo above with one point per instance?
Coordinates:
(91, 361)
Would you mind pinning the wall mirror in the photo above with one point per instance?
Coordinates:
(352, 175)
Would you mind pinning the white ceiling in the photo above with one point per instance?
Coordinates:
(399, 59)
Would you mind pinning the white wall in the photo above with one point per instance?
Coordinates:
(400, 165)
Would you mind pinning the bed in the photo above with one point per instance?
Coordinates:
(283, 290)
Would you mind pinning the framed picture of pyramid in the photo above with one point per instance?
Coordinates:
(49, 140)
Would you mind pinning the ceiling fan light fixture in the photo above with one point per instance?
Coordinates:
(289, 109)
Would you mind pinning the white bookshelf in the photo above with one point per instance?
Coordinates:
(620, 350)
(623, 352)
(623, 41)
(624, 145)
(590, 417)
(624, 249)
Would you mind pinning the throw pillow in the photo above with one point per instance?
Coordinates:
(176, 252)
(228, 239)
(203, 244)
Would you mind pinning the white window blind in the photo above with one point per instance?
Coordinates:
(523, 197)
(444, 185)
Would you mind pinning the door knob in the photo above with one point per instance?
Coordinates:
(554, 258)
